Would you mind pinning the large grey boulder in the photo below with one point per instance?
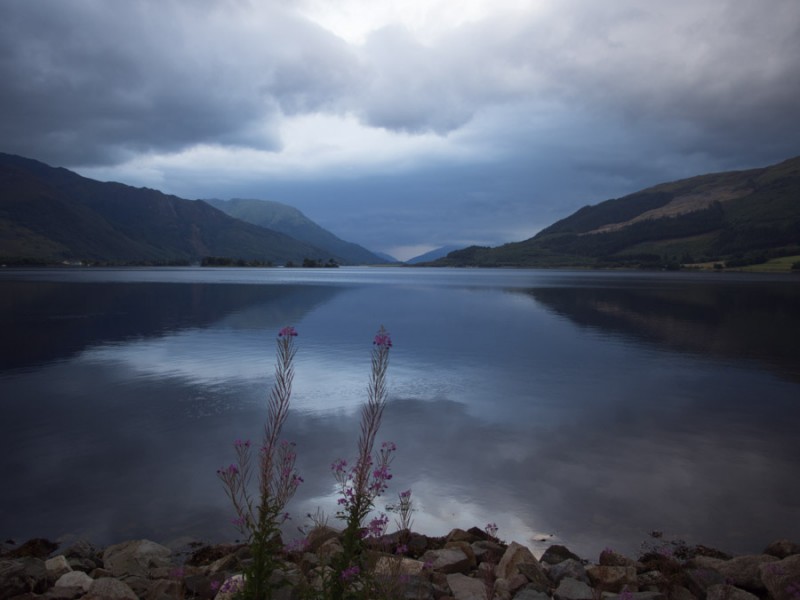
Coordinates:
(22, 575)
(612, 579)
(782, 578)
(573, 589)
(728, 592)
(107, 588)
(466, 588)
(447, 560)
(514, 555)
(136, 558)
(744, 571)
(782, 548)
(75, 579)
(558, 553)
(568, 568)
(57, 566)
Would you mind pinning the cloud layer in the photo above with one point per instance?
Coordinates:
(489, 120)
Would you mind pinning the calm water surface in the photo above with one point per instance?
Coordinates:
(579, 407)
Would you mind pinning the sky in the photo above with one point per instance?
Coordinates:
(402, 126)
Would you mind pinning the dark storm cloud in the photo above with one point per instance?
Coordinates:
(90, 82)
(535, 111)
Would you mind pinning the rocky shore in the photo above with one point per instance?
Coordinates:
(464, 565)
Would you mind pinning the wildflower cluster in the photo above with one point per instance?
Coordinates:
(368, 478)
(259, 518)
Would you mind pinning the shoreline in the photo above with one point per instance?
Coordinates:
(463, 565)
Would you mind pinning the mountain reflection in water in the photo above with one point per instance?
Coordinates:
(592, 406)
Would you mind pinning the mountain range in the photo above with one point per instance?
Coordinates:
(287, 219)
(52, 215)
(734, 218)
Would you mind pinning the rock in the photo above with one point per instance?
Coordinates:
(609, 558)
(83, 549)
(447, 560)
(319, 535)
(22, 575)
(63, 593)
(568, 568)
(400, 565)
(36, 548)
(330, 548)
(573, 589)
(487, 551)
(529, 593)
(232, 585)
(226, 563)
(466, 549)
(634, 596)
(782, 578)
(535, 575)
(782, 548)
(728, 592)
(706, 562)
(699, 580)
(743, 571)
(135, 558)
(651, 579)
(514, 555)
(170, 588)
(556, 554)
(459, 535)
(466, 588)
(613, 579)
(108, 588)
(209, 554)
(57, 566)
(75, 579)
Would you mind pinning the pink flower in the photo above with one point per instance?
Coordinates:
(288, 331)
(383, 339)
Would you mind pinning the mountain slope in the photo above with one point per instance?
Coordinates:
(287, 219)
(51, 214)
(431, 255)
(738, 217)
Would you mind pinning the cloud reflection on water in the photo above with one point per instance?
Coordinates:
(503, 410)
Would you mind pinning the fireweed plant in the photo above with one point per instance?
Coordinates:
(362, 483)
(259, 518)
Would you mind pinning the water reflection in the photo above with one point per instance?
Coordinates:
(737, 320)
(591, 412)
